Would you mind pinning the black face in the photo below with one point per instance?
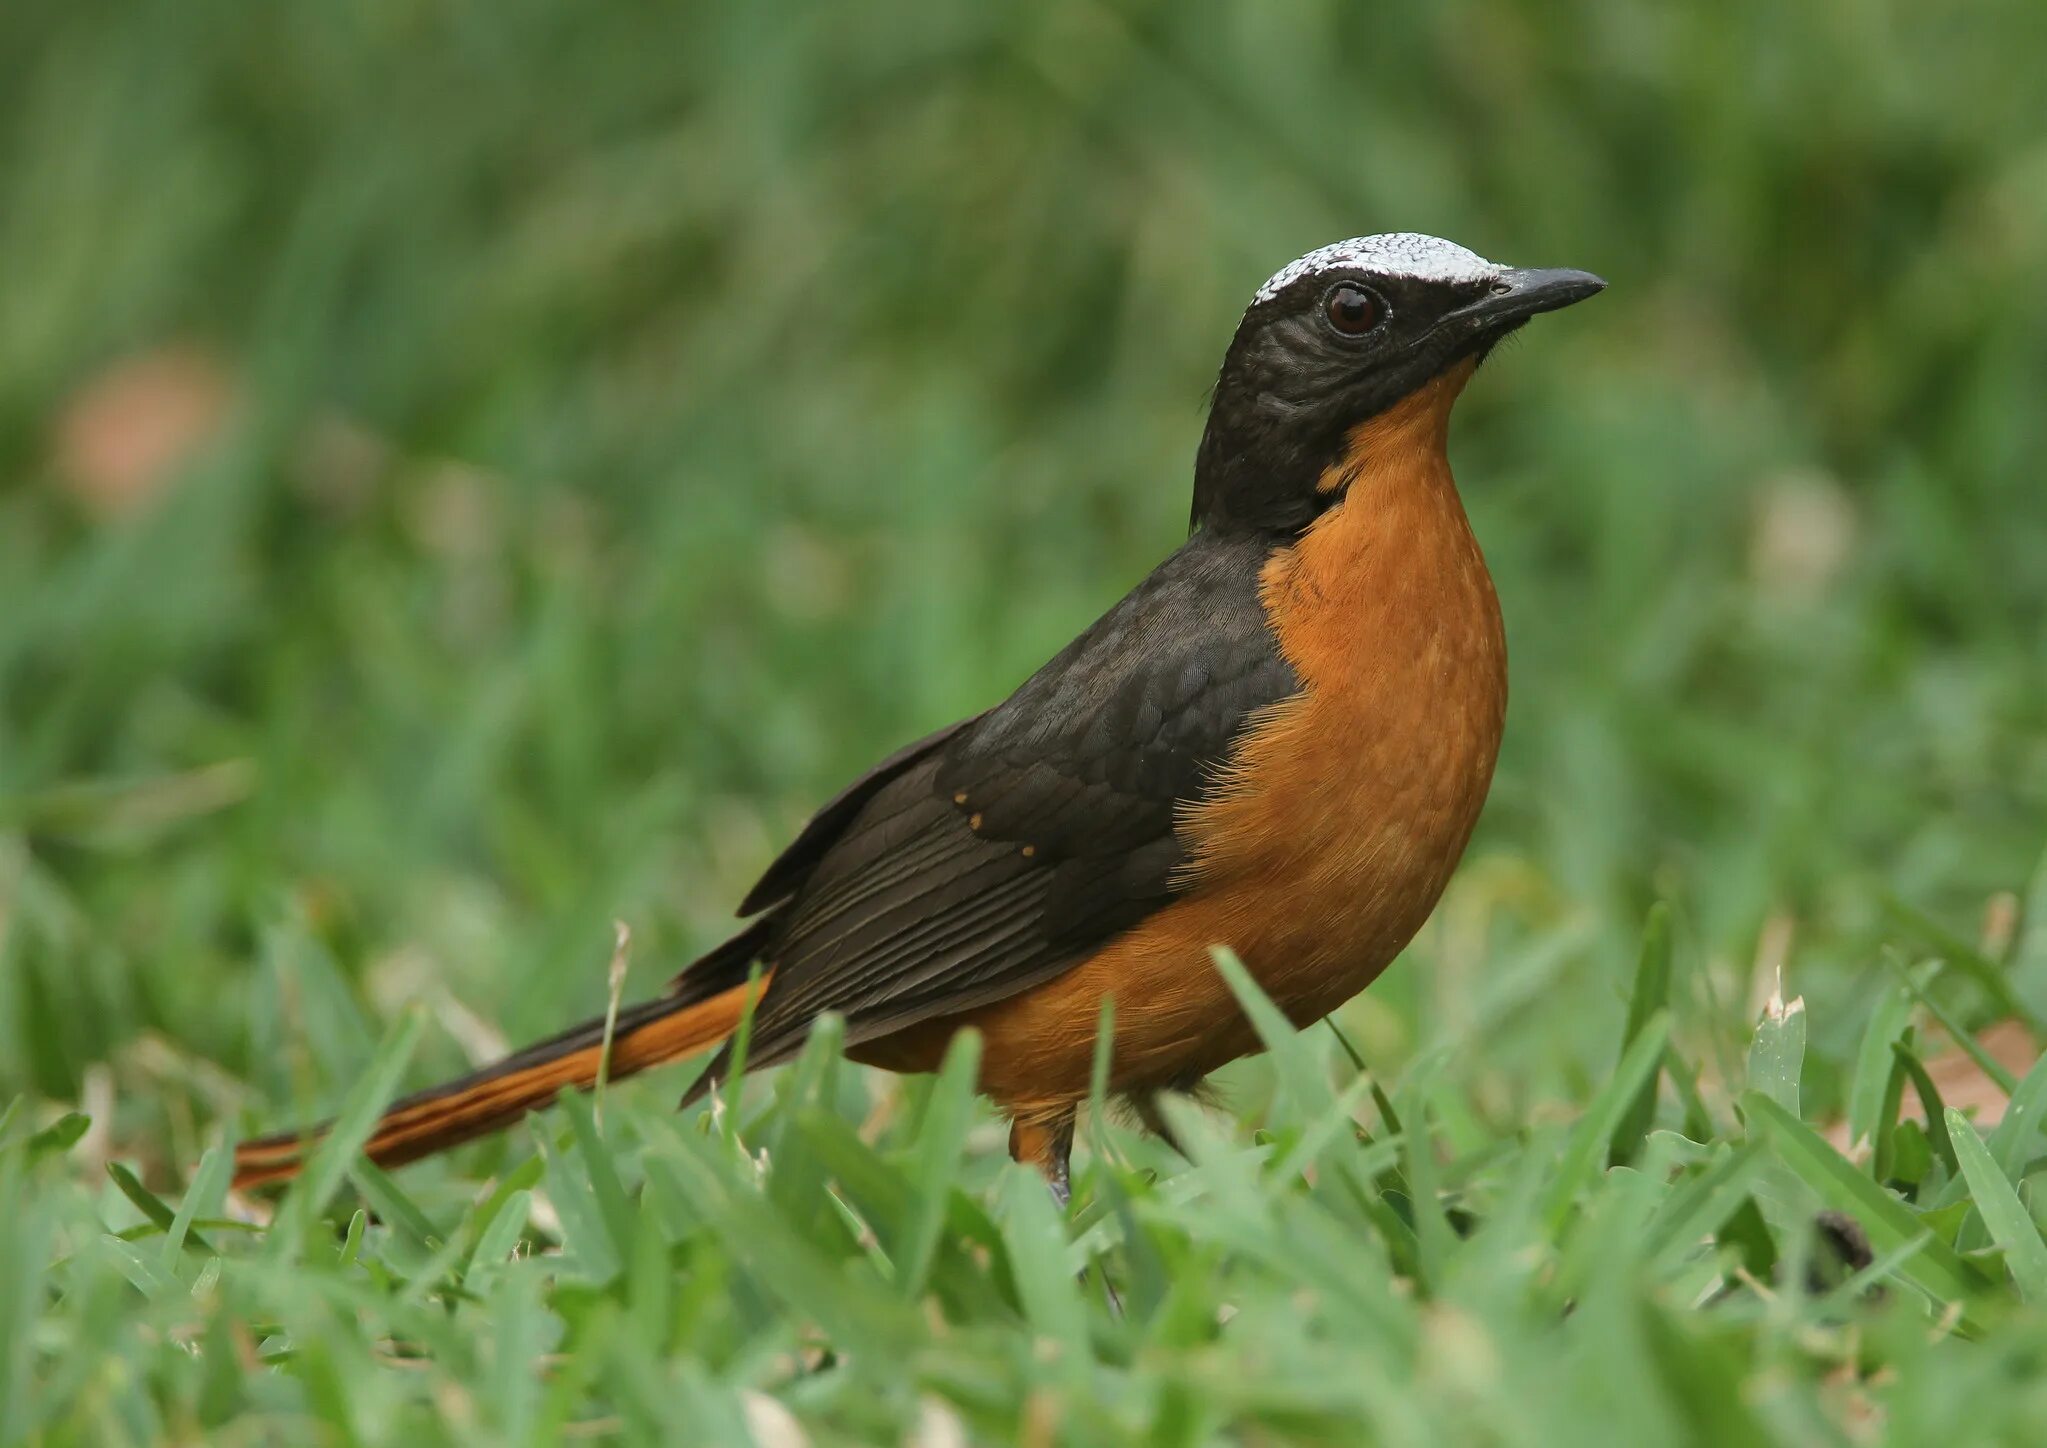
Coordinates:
(1329, 349)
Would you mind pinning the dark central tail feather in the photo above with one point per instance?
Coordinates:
(700, 1011)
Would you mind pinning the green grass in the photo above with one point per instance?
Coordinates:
(618, 428)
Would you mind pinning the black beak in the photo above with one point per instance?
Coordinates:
(1521, 294)
(1516, 295)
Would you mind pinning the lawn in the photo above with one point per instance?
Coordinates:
(471, 476)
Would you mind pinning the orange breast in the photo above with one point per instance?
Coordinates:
(1342, 812)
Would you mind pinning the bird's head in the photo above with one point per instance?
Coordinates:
(1338, 338)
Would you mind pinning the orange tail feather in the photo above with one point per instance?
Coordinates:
(647, 1035)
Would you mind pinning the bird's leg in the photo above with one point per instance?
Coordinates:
(1154, 1120)
(1046, 1142)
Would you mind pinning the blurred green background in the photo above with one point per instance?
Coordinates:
(470, 473)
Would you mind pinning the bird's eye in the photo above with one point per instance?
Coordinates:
(1352, 310)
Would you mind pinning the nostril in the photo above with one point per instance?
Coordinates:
(1502, 287)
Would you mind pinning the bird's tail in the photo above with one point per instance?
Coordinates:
(664, 1029)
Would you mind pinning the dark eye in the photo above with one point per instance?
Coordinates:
(1352, 310)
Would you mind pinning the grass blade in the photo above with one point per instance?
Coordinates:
(1603, 1117)
(1776, 1057)
(2011, 1226)
(948, 1113)
(1988, 1064)
(1937, 1133)
(600, 1170)
(391, 1204)
(499, 1235)
(351, 1238)
(1434, 1237)
(1037, 1246)
(478, 1227)
(1296, 1070)
(1684, 1079)
(308, 1196)
(202, 1199)
(59, 1136)
(1883, 1162)
(141, 1197)
(797, 1183)
(588, 1231)
(2016, 1129)
(1967, 959)
(1701, 1205)
(1650, 995)
(150, 1276)
(741, 1042)
(1874, 1062)
(1889, 1223)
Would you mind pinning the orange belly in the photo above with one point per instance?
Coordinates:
(1333, 832)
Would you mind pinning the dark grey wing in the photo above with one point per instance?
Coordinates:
(1032, 835)
(795, 864)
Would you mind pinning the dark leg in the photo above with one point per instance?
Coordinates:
(1154, 1120)
(1046, 1142)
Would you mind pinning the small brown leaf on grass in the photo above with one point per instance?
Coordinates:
(1962, 1082)
(125, 434)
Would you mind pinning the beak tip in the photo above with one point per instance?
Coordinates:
(1576, 284)
(1552, 288)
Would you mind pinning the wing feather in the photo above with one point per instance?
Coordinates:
(994, 854)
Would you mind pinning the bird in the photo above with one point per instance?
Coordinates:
(1278, 743)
